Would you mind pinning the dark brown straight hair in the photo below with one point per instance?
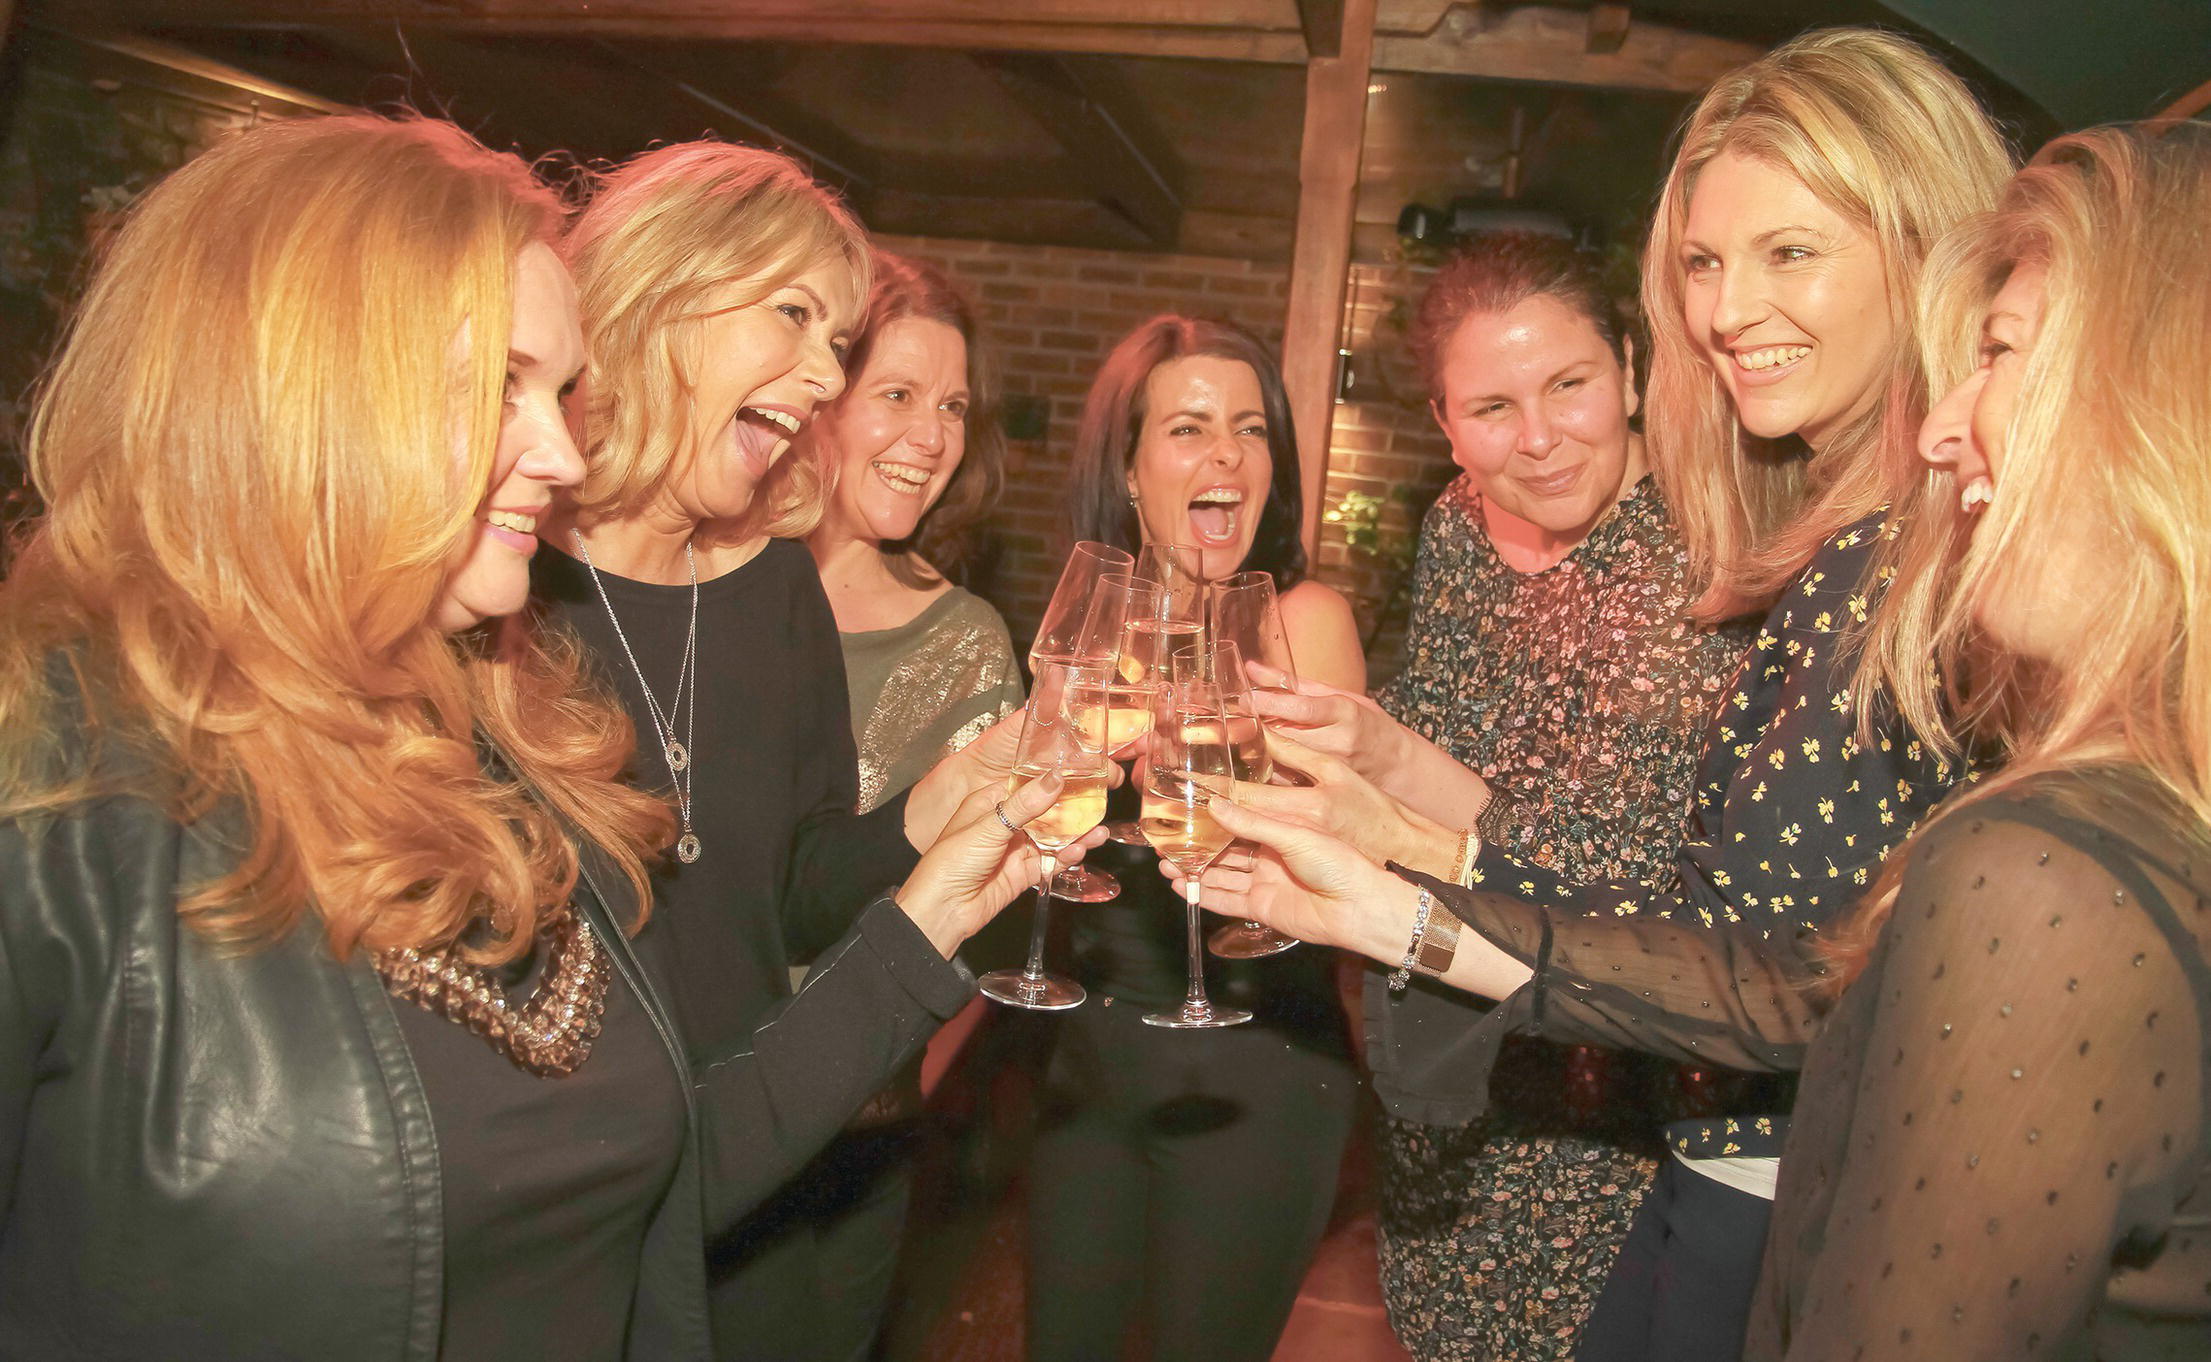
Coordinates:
(1098, 502)
(945, 539)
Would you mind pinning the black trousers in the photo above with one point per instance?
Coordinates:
(1180, 1181)
(1682, 1286)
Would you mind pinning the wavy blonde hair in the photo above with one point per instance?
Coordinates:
(1876, 128)
(255, 495)
(2111, 429)
(672, 237)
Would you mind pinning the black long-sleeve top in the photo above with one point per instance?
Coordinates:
(2002, 1147)
(1793, 817)
(785, 868)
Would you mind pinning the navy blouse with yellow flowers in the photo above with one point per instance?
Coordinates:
(1793, 818)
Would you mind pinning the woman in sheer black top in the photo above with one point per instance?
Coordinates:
(2002, 1148)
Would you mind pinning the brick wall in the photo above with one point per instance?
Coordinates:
(1050, 314)
(1383, 445)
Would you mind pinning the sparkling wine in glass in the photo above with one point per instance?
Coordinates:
(1053, 742)
(1242, 613)
(1156, 624)
(1190, 764)
(1060, 638)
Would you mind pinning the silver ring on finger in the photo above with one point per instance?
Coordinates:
(1000, 809)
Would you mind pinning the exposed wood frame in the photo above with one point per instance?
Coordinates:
(1543, 43)
(1320, 261)
(2183, 108)
(1322, 21)
(1549, 44)
(1127, 180)
(1608, 28)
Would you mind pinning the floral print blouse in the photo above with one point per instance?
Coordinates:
(1793, 817)
(1577, 692)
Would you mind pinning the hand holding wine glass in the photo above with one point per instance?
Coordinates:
(982, 862)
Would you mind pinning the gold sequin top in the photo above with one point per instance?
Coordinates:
(927, 688)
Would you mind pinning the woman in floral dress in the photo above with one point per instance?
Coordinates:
(1551, 651)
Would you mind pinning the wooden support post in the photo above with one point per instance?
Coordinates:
(1322, 22)
(1608, 29)
(1320, 262)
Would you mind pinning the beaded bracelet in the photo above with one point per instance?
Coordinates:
(1403, 974)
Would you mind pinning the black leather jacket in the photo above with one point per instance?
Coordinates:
(229, 1156)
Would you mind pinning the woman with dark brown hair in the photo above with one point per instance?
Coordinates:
(915, 460)
(1550, 650)
(1182, 1178)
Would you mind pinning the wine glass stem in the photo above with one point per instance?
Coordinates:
(1194, 1000)
(1035, 969)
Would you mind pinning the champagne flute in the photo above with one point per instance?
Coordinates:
(1059, 635)
(1180, 569)
(1060, 638)
(1157, 622)
(1054, 743)
(1188, 766)
(1243, 610)
(1243, 613)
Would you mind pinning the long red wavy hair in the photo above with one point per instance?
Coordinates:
(261, 450)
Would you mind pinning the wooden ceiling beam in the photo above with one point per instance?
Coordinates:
(1127, 180)
(1608, 29)
(1547, 44)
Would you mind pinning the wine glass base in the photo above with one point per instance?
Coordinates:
(1248, 941)
(1081, 884)
(1015, 988)
(1190, 1017)
(1127, 831)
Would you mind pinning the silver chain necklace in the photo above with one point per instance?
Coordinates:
(678, 754)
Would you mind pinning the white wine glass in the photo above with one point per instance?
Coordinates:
(1179, 568)
(1054, 742)
(1060, 637)
(1156, 623)
(1243, 609)
(1221, 663)
(1188, 766)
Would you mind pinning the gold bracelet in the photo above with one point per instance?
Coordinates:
(1470, 845)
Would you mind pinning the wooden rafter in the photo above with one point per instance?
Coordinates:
(1128, 181)
(1543, 43)
(1320, 262)
(1322, 21)
(1608, 28)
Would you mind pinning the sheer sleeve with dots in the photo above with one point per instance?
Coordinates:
(2000, 1147)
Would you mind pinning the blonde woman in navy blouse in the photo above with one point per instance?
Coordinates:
(1779, 278)
(2004, 1143)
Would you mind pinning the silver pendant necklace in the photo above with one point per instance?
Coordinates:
(677, 754)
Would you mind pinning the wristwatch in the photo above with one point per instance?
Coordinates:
(1438, 943)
